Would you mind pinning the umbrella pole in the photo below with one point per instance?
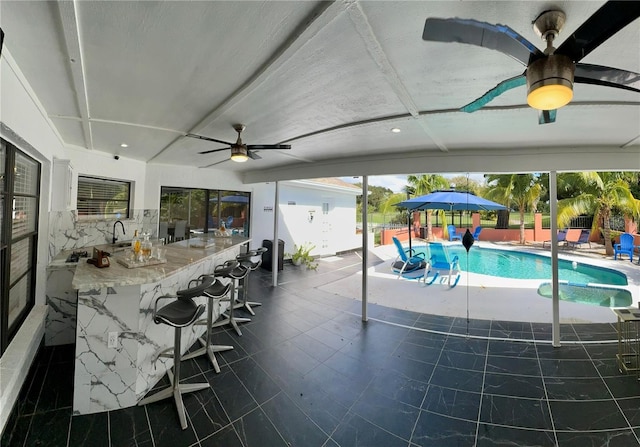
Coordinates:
(409, 221)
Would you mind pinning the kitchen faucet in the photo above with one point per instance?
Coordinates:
(114, 239)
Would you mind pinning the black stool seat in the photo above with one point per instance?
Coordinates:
(216, 291)
(179, 313)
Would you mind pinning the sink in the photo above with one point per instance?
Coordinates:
(122, 244)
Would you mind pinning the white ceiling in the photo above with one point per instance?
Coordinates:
(329, 78)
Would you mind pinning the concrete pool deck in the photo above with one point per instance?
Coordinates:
(485, 297)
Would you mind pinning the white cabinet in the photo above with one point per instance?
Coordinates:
(62, 197)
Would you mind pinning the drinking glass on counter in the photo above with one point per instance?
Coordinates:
(146, 247)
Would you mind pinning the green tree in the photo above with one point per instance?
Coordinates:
(377, 196)
(521, 191)
(464, 183)
(601, 192)
(423, 184)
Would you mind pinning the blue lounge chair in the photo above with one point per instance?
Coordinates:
(625, 246)
(562, 237)
(451, 229)
(407, 262)
(583, 239)
(439, 261)
(476, 233)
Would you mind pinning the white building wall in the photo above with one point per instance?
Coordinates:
(20, 112)
(330, 233)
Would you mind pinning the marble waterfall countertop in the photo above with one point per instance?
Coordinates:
(179, 256)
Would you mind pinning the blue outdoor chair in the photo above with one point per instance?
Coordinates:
(439, 261)
(583, 239)
(562, 237)
(625, 246)
(407, 262)
(451, 229)
(476, 233)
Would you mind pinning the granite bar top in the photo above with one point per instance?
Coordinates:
(179, 256)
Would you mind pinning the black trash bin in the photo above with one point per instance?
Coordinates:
(267, 256)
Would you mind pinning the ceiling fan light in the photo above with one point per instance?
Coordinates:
(239, 154)
(550, 82)
(550, 97)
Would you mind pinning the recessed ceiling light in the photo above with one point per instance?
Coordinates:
(124, 145)
(395, 130)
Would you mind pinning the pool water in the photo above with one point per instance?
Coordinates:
(598, 296)
(520, 265)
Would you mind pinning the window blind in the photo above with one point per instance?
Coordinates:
(106, 198)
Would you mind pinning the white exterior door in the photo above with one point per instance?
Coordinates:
(326, 229)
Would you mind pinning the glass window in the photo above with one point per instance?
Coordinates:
(23, 216)
(205, 210)
(19, 201)
(20, 256)
(19, 297)
(26, 176)
(103, 198)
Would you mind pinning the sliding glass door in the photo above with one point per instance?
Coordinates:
(205, 209)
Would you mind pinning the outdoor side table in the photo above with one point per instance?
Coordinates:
(628, 327)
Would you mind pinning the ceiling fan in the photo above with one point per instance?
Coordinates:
(240, 152)
(549, 75)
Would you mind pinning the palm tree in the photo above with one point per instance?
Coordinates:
(425, 184)
(522, 191)
(601, 192)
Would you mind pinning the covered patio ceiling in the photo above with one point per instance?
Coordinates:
(329, 78)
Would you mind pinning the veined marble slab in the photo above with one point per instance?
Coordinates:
(62, 300)
(117, 299)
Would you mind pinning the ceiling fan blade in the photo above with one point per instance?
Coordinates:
(216, 163)
(253, 155)
(268, 146)
(200, 137)
(215, 150)
(499, 89)
(482, 34)
(607, 76)
(547, 116)
(1, 39)
(604, 23)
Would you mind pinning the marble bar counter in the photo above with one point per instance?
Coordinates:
(120, 300)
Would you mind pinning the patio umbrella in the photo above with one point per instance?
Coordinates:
(450, 201)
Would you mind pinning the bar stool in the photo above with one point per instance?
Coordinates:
(180, 313)
(246, 261)
(214, 292)
(235, 272)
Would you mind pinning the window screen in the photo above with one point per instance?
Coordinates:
(103, 198)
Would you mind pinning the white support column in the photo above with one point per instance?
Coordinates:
(365, 246)
(274, 244)
(553, 202)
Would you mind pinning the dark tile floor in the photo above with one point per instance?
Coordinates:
(307, 372)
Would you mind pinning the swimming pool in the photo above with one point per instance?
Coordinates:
(520, 265)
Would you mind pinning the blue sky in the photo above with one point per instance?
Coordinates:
(397, 182)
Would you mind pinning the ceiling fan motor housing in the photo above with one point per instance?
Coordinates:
(551, 73)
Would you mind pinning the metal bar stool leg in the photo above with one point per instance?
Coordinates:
(246, 261)
(180, 313)
(234, 271)
(213, 293)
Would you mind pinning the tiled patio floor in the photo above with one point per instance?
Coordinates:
(308, 372)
